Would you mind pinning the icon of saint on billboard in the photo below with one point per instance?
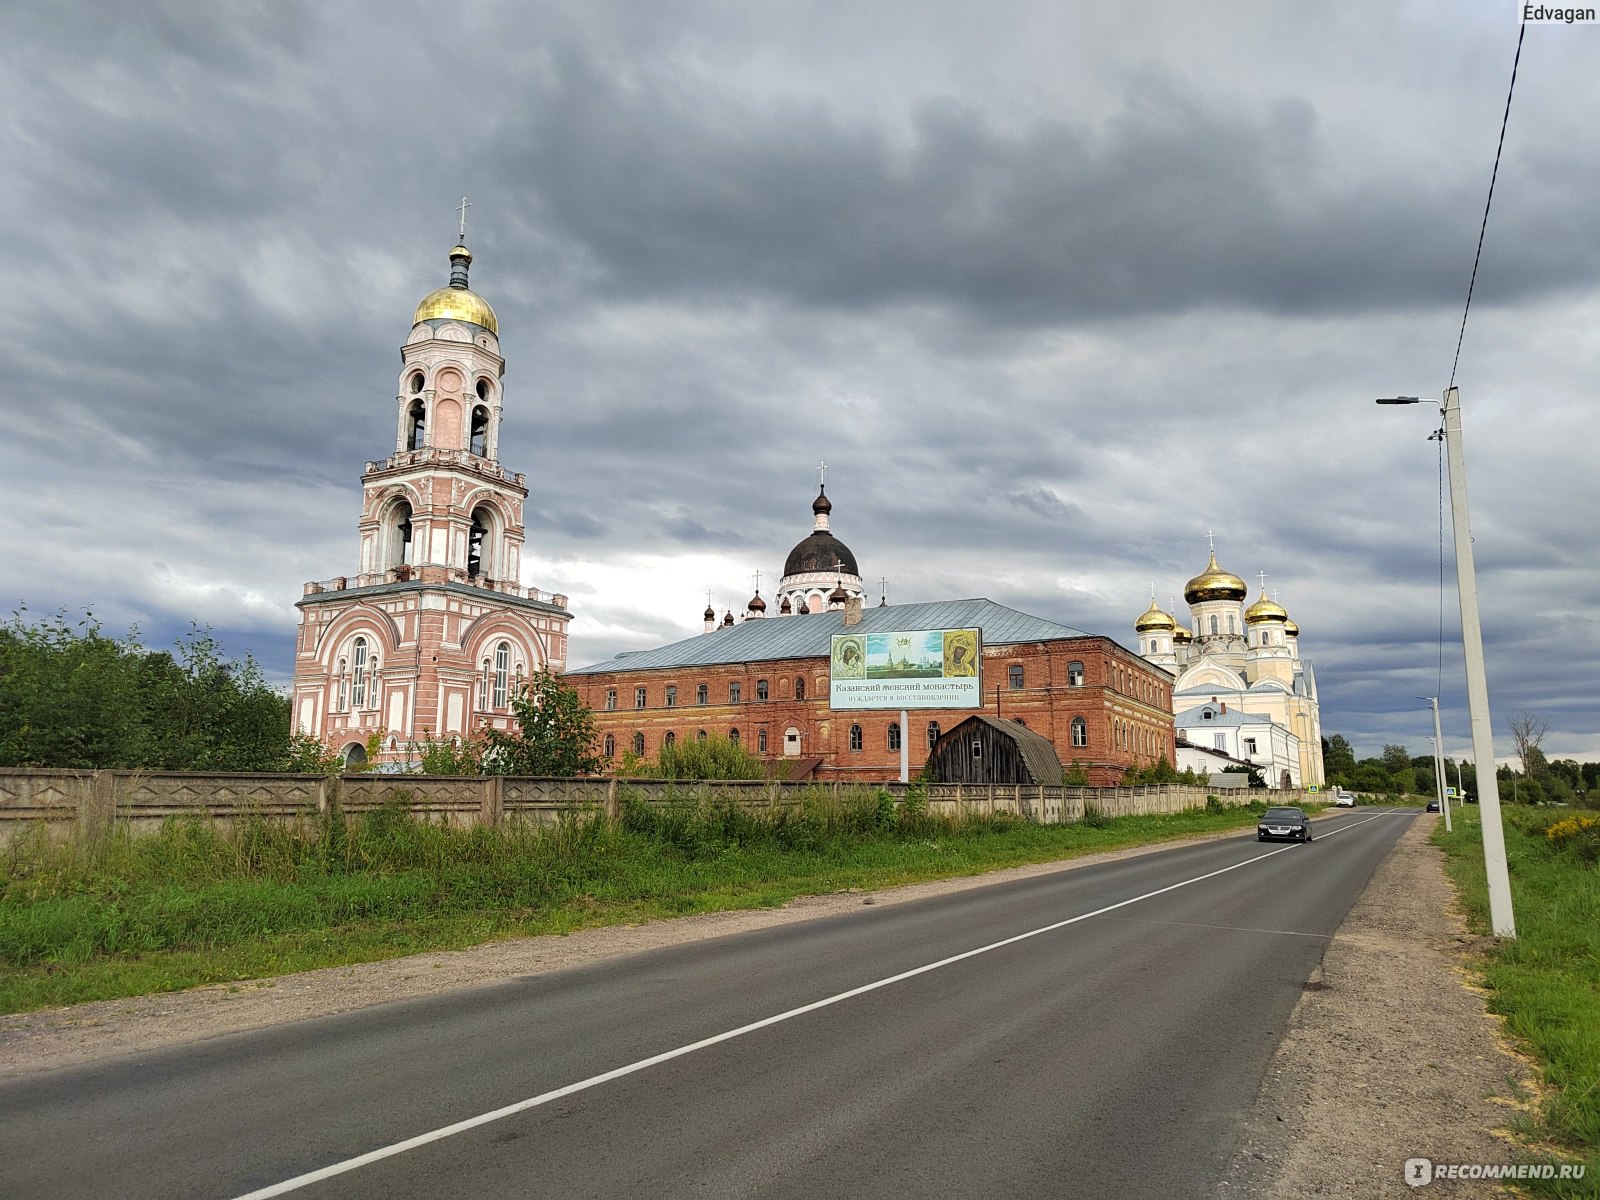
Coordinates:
(849, 657)
(960, 653)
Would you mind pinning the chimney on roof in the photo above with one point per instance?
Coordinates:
(852, 611)
(1224, 708)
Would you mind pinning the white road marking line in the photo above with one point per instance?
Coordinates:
(583, 1085)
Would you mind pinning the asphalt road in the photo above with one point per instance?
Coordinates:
(1100, 1032)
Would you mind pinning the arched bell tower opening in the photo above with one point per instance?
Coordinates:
(416, 424)
(479, 443)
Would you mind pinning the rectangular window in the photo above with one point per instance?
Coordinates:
(734, 692)
(1074, 674)
(1249, 745)
(638, 697)
(700, 694)
(761, 689)
(611, 698)
(672, 697)
(1221, 740)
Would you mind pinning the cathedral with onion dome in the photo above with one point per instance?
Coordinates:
(1241, 687)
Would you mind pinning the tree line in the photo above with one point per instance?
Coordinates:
(72, 696)
(1397, 772)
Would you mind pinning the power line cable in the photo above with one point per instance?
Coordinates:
(1483, 228)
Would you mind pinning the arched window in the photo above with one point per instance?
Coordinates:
(502, 662)
(933, 732)
(638, 744)
(1074, 674)
(1014, 676)
(479, 444)
(611, 745)
(343, 688)
(761, 689)
(483, 389)
(358, 681)
(1080, 732)
(373, 682)
(894, 735)
(1233, 623)
(416, 381)
(700, 694)
(855, 737)
(761, 741)
(700, 735)
(1214, 627)
(733, 736)
(484, 683)
(800, 687)
(416, 424)
(671, 739)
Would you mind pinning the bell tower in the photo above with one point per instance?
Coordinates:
(433, 633)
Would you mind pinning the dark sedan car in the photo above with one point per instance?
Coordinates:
(1289, 824)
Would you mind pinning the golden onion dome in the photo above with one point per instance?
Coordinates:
(1153, 620)
(1290, 628)
(457, 302)
(1214, 584)
(1265, 610)
(1182, 636)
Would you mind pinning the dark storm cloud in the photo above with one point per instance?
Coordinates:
(1177, 200)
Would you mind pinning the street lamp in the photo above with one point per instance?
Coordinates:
(1501, 918)
(1438, 762)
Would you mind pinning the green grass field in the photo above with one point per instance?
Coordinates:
(1545, 982)
(193, 904)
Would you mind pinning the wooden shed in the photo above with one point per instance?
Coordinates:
(988, 750)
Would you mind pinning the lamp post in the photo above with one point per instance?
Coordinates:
(1501, 918)
(1438, 762)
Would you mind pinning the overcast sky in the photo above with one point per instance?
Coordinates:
(1055, 289)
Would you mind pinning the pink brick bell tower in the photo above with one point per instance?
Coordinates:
(434, 632)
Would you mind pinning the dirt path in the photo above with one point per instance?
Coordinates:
(1388, 1055)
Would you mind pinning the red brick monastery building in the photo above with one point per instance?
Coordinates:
(764, 682)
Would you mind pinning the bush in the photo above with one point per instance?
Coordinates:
(1096, 818)
(1578, 835)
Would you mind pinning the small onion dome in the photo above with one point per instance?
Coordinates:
(1215, 584)
(1182, 636)
(727, 619)
(710, 614)
(822, 504)
(757, 604)
(785, 609)
(1290, 628)
(1154, 621)
(1265, 610)
(838, 596)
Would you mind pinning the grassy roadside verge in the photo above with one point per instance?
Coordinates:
(193, 905)
(1545, 982)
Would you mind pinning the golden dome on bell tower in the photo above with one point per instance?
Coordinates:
(457, 302)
